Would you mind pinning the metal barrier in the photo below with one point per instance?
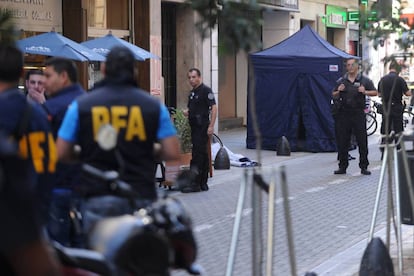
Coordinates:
(253, 178)
(390, 164)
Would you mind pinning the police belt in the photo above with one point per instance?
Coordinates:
(394, 104)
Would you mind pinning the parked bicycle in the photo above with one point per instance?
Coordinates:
(370, 116)
(408, 115)
(372, 123)
(376, 108)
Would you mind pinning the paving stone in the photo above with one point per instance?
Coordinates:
(331, 214)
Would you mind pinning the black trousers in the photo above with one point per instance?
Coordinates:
(348, 122)
(200, 160)
(395, 119)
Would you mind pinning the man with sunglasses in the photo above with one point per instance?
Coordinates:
(351, 90)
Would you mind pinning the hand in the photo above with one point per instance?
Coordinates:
(37, 96)
(210, 130)
(341, 87)
(361, 89)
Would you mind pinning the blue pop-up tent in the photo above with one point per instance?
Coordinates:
(293, 81)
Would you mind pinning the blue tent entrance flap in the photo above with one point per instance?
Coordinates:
(293, 81)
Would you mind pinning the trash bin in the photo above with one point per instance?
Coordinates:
(405, 204)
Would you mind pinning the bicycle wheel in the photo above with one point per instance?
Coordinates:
(407, 118)
(371, 124)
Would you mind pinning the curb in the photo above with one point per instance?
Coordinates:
(347, 262)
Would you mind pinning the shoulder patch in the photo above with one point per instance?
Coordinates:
(210, 96)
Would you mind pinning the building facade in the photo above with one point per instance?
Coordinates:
(167, 28)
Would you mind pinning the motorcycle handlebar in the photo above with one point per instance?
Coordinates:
(111, 178)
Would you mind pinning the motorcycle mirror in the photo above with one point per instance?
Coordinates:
(107, 137)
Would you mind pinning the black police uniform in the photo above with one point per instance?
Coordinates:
(350, 119)
(36, 144)
(385, 86)
(200, 101)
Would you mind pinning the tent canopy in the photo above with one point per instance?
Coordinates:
(293, 83)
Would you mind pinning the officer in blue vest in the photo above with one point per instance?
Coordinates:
(26, 180)
(140, 119)
(62, 87)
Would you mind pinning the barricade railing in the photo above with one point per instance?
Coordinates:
(253, 178)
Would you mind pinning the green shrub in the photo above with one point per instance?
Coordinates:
(183, 130)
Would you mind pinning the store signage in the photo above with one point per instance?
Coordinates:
(291, 4)
(335, 17)
(35, 15)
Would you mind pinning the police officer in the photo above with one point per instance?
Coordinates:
(62, 87)
(391, 88)
(23, 210)
(351, 90)
(202, 113)
(140, 119)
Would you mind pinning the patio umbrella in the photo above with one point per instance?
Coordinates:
(56, 45)
(104, 44)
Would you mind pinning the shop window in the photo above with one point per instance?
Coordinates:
(108, 14)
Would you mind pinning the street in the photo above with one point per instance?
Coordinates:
(330, 213)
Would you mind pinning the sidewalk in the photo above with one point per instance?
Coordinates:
(347, 262)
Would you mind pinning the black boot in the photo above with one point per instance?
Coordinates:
(186, 182)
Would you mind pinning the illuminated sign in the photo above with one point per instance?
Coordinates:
(353, 16)
(336, 17)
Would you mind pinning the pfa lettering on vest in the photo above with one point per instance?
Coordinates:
(120, 117)
(36, 144)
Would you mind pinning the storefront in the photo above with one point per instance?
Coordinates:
(35, 16)
(335, 22)
(32, 18)
(82, 20)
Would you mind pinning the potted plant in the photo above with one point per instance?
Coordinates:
(173, 167)
(183, 130)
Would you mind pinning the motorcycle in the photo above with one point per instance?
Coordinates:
(149, 241)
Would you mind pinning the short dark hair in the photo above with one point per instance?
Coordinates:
(394, 65)
(61, 65)
(11, 65)
(120, 64)
(196, 70)
(33, 72)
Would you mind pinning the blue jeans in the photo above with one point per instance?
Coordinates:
(62, 225)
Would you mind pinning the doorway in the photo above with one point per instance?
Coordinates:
(169, 57)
